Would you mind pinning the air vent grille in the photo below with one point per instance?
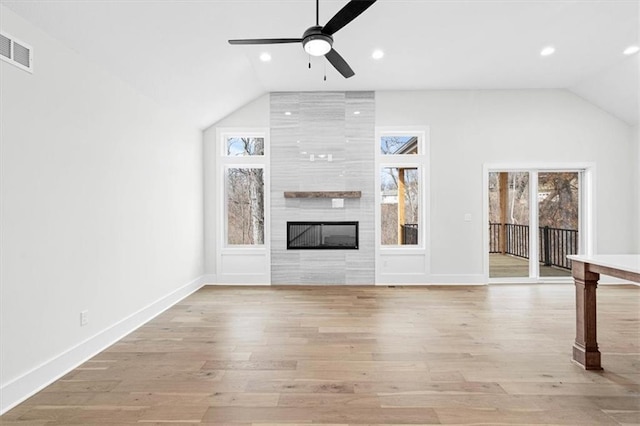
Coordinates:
(5, 46)
(22, 55)
(16, 52)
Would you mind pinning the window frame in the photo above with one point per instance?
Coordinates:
(419, 161)
(226, 162)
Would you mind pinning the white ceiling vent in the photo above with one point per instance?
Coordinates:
(16, 52)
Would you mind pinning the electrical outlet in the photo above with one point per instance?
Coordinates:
(84, 318)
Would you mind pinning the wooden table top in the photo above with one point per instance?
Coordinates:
(623, 262)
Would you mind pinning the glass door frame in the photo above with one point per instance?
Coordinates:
(586, 219)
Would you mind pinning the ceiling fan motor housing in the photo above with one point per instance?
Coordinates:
(315, 42)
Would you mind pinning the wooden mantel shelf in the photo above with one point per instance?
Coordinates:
(323, 194)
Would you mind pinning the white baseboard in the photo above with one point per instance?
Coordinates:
(459, 279)
(239, 284)
(21, 388)
(430, 280)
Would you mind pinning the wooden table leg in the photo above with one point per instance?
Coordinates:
(585, 348)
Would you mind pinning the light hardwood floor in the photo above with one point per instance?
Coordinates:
(359, 355)
(507, 266)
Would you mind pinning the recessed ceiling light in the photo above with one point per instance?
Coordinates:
(631, 50)
(265, 57)
(287, 113)
(356, 112)
(549, 50)
(377, 54)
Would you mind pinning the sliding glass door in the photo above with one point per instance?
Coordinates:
(558, 221)
(509, 224)
(534, 223)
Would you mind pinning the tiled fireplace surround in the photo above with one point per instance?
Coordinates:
(322, 141)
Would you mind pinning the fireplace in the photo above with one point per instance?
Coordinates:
(322, 235)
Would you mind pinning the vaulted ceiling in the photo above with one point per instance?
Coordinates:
(176, 52)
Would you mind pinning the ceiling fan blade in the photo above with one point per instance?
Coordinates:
(346, 15)
(266, 41)
(339, 63)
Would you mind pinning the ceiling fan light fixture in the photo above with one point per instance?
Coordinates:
(315, 42)
(317, 45)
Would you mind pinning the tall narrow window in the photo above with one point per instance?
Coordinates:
(244, 177)
(400, 205)
(245, 206)
(401, 159)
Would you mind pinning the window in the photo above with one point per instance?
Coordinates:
(245, 206)
(401, 162)
(399, 144)
(244, 146)
(400, 205)
(243, 165)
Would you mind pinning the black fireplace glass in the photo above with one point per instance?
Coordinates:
(322, 235)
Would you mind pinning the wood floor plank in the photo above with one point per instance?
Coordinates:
(331, 355)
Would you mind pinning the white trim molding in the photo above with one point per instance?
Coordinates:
(242, 265)
(417, 271)
(458, 279)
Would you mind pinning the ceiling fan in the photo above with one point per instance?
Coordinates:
(318, 40)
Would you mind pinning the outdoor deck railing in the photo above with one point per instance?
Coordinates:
(554, 243)
(410, 234)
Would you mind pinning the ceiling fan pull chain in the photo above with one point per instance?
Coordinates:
(325, 70)
(309, 61)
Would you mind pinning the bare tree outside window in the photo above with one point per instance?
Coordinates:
(558, 199)
(242, 147)
(517, 201)
(245, 206)
(398, 145)
(245, 193)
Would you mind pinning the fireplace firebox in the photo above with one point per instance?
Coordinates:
(322, 235)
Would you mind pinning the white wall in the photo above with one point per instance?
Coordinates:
(254, 115)
(635, 142)
(471, 128)
(101, 211)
